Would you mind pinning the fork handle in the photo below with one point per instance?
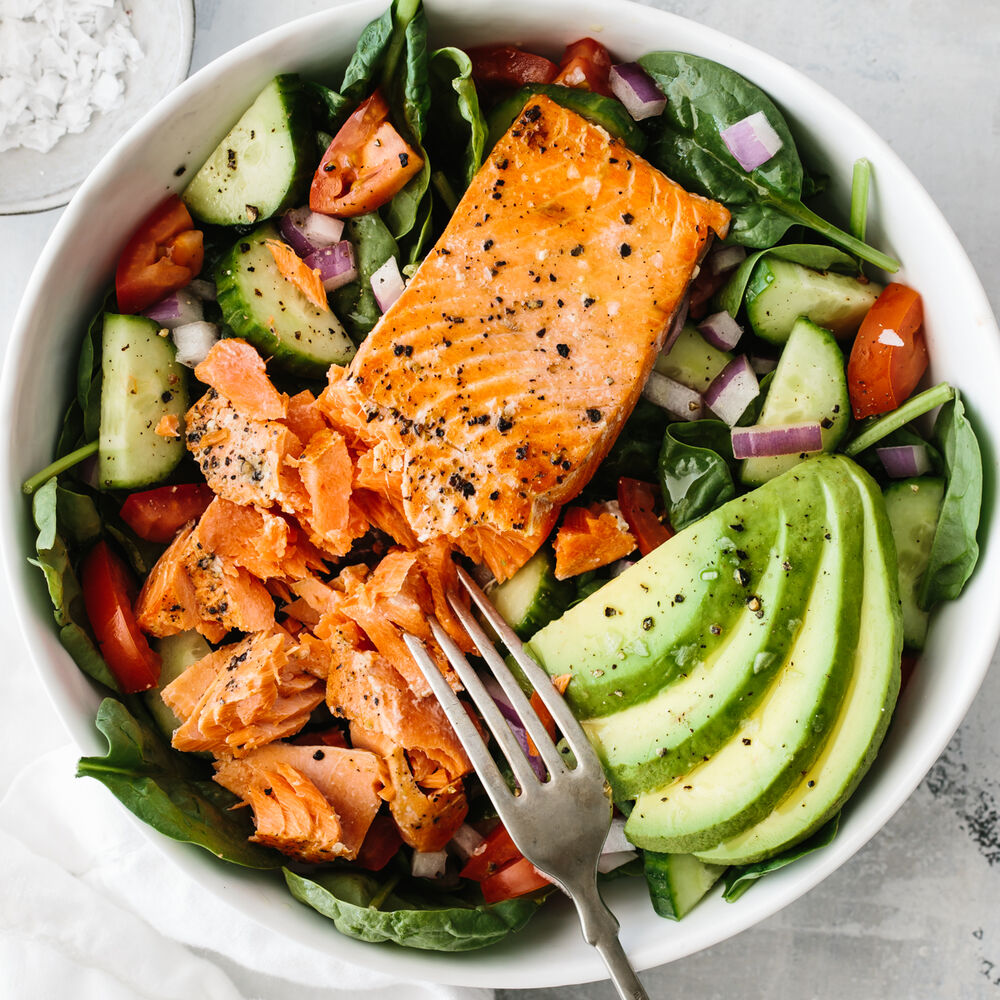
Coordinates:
(600, 928)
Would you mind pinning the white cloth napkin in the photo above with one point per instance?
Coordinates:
(90, 909)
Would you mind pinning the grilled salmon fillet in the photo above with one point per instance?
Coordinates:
(501, 377)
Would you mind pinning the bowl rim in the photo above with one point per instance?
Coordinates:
(451, 968)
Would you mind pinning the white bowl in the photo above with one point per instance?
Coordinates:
(965, 348)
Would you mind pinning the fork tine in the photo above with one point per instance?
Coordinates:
(543, 742)
(466, 731)
(491, 714)
(540, 680)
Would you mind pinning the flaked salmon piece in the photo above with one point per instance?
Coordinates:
(426, 820)
(244, 460)
(235, 370)
(343, 411)
(365, 688)
(591, 537)
(250, 537)
(504, 552)
(440, 573)
(384, 515)
(304, 418)
(167, 603)
(242, 696)
(335, 796)
(506, 369)
(326, 471)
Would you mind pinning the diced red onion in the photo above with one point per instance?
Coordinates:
(752, 141)
(726, 258)
(616, 841)
(193, 341)
(387, 284)
(762, 365)
(609, 862)
(721, 330)
(429, 864)
(203, 288)
(761, 441)
(905, 460)
(176, 309)
(732, 390)
(335, 264)
(516, 725)
(672, 396)
(636, 89)
(308, 231)
(465, 841)
(677, 324)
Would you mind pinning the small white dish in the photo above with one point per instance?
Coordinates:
(31, 181)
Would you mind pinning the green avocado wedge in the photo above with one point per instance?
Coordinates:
(740, 783)
(864, 716)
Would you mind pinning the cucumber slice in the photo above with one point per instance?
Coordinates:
(262, 166)
(780, 291)
(533, 596)
(259, 304)
(913, 506)
(141, 382)
(677, 881)
(809, 384)
(177, 653)
(692, 360)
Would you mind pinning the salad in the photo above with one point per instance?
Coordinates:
(573, 325)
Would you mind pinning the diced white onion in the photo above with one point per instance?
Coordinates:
(193, 341)
(672, 396)
(465, 841)
(429, 864)
(726, 258)
(203, 288)
(752, 141)
(387, 284)
(616, 840)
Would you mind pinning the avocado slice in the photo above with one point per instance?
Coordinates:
(864, 716)
(740, 783)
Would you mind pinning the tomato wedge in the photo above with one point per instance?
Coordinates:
(638, 501)
(380, 845)
(157, 515)
(367, 163)
(889, 355)
(164, 254)
(509, 66)
(586, 65)
(496, 851)
(107, 595)
(515, 879)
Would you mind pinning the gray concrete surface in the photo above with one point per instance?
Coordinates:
(916, 915)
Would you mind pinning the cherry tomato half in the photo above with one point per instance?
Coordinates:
(509, 66)
(586, 65)
(638, 501)
(496, 851)
(365, 165)
(107, 595)
(163, 255)
(157, 515)
(889, 355)
(515, 879)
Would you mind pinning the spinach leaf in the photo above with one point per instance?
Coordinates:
(64, 588)
(329, 108)
(607, 112)
(457, 137)
(954, 551)
(875, 429)
(814, 255)
(860, 184)
(88, 371)
(409, 917)
(703, 99)
(71, 433)
(872, 464)
(355, 303)
(635, 452)
(372, 51)
(738, 880)
(695, 469)
(77, 516)
(170, 791)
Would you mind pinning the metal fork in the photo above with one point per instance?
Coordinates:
(560, 824)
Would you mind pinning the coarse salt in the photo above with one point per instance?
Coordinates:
(63, 61)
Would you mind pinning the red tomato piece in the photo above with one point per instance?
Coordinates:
(515, 879)
(380, 844)
(164, 254)
(107, 595)
(496, 851)
(157, 515)
(365, 165)
(889, 355)
(638, 501)
(509, 66)
(586, 65)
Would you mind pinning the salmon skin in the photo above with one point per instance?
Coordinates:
(500, 378)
